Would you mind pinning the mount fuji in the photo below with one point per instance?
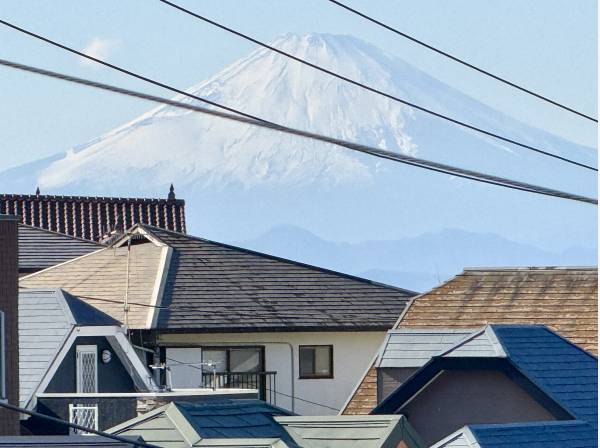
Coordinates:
(240, 181)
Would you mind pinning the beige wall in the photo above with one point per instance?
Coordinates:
(457, 398)
(352, 354)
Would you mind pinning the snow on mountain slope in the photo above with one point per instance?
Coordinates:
(239, 180)
(166, 143)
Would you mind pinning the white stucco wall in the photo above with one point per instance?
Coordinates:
(352, 354)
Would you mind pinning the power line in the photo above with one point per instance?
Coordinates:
(195, 366)
(462, 61)
(129, 72)
(74, 425)
(375, 90)
(377, 152)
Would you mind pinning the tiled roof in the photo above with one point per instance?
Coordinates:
(563, 370)
(221, 287)
(91, 218)
(350, 431)
(410, 347)
(567, 434)
(560, 369)
(40, 249)
(560, 434)
(237, 418)
(253, 423)
(563, 298)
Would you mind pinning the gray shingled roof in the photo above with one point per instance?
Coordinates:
(46, 319)
(217, 287)
(40, 249)
(413, 347)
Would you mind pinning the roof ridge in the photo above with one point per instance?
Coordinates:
(546, 328)
(153, 230)
(42, 197)
(529, 268)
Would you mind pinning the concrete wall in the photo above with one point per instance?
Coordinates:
(9, 268)
(352, 355)
(460, 397)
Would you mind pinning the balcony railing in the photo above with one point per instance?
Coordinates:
(264, 382)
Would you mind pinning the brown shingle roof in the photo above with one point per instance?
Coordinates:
(563, 298)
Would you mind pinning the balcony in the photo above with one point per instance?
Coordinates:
(264, 382)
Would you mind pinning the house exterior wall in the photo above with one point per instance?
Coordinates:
(9, 266)
(352, 353)
(112, 377)
(111, 412)
(458, 398)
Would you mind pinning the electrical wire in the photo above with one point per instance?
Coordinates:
(377, 91)
(129, 72)
(462, 61)
(195, 366)
(377, 152)
(61, 422)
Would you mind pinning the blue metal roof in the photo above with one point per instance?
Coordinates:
(560, 368)
(562, 434)
(238, 418)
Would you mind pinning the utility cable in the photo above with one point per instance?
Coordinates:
(61, 422)
(377, 91)
(129, 72)
(195, 366)
(462, 61)
(377, 152)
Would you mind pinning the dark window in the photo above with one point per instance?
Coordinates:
(316, 361)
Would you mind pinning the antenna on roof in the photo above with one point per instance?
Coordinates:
(171, 196)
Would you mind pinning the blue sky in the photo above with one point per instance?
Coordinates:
(547, 45)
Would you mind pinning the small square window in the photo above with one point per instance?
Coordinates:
(316, 361)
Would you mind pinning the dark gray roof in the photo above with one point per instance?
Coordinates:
(71, 441)
(40, 249)
(217, 287)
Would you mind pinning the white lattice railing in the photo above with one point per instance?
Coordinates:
(83, 415)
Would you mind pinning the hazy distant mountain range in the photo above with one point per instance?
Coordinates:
(240, 182)
(416, 263)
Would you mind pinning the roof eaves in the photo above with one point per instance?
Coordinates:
(139, 419)
(183, 422)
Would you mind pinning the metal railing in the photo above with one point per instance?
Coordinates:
(83, 415)
(264, 382)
